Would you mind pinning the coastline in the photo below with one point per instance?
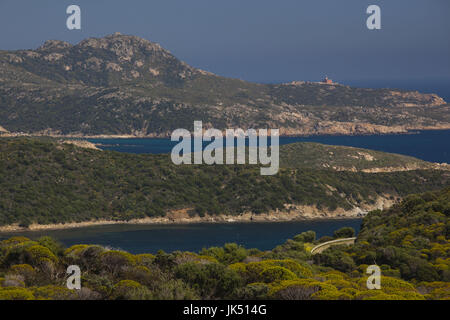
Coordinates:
(179, 217)
(154, 221)
(284, 132)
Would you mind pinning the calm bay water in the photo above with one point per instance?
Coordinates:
(191, 237)
(426, 145)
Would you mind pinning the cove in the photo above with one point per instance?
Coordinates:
(190, 237)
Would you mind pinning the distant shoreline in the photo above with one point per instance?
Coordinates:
(178, 217)
(404, 131)
(263, 218)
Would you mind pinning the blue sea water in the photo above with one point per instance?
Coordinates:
(430, 145)
(191, 237)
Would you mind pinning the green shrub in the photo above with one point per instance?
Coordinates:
(308, 236)
(12, 293)
(273, 274)
(345, 232)
(130, 290)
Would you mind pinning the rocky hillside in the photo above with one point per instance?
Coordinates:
(319, 156)
(125, 85)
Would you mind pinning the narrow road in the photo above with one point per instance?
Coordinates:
(338, 242)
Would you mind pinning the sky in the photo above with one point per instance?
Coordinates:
(259, 40)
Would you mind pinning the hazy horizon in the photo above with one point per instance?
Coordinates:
(263, 41)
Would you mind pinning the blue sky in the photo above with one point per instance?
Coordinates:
(258, 40)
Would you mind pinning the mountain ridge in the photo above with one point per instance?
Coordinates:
(126, 85)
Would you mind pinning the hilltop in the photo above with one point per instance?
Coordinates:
(44, 181)
(319, 156)
(126, 85)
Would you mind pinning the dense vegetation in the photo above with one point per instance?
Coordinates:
(410, 242)
(320, 156)
(44, 181)
(127, 85)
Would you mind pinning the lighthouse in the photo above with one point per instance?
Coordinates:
(327, 81)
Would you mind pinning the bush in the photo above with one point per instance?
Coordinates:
(52, 292)
(308, 236)
(37, 254)
(24, 270)
(345, 232)
(209, 280)
(253, 291)
(253, 270)
(130, 290)
(302, 289)
(54, 246)
(116, 261)
(273, 274)
(230, 253)
(15, 294)
(336, 259)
